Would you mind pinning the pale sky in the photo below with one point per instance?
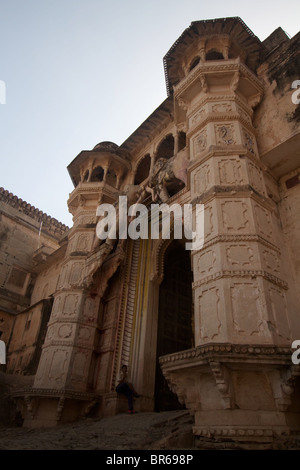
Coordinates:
(78, 72)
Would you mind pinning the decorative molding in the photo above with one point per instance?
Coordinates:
(158, 260)
(232, 116)
(242, 273)
(222, 381)
(221, 98)
(29, 393)
(240, 238)
(240, 432)
(233, 65)
(124, 279)
(225, 351)
(129, 311)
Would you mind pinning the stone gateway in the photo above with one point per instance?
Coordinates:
(210, 329)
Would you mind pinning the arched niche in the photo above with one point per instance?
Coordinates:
(181, 140)
(143, 169)
(97, 174)
(194, 63)
(165, 148)
(214, 54)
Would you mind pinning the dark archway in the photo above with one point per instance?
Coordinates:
(175, 317)
(166, 147)
(97, 174)
(143, 169)
(213, 54)
(194, 63)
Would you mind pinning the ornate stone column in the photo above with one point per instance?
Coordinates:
(64, 383)
(233, 379)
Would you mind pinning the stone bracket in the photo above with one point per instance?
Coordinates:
(288, 379)
(222, 378)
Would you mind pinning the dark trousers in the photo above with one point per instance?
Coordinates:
(125, 389)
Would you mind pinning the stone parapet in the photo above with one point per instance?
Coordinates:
(50, 224)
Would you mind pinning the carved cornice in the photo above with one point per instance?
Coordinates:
(219, 99)
(240, 238)
(222, 151)
(72, 342)
(245, 190)
(233, 65)
(221, 117)
(55, 393)
(238, 432)
(241, 273)
(225, 352)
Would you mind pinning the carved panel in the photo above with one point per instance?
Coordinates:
(239, 255)
(80, 366)
(50, 333)
(230, 171)
(85, 219)
(90, 311)
(85, 334)
(57, 305)
(246, 308)
(208, 221)
(206, 262)
(63, 276)
(209, 314)
(83, 243)
(200, 142)
(70, 304)
(202, 179)
(225, 134)
(235, 216)
(76, 273)
(272, 261)
(264, 222)
(65, 331)
(223, 108)
(58, 366)
(279, 311)
(256, 177)
(249, 141)
(197, 117)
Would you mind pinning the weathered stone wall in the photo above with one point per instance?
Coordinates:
(24, 347)
(23, 231)
(27, 238)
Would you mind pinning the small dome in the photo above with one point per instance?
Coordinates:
(106, 147)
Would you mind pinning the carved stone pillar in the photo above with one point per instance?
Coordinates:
(242, 334)
(65, 385)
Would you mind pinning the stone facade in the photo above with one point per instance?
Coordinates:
(28, 237)
(216, 324)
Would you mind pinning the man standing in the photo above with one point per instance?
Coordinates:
(125, 387)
